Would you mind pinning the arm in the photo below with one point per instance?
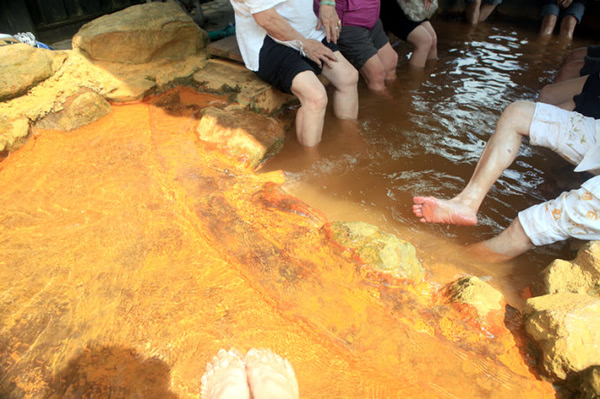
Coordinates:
(329, 20)
(279, 29)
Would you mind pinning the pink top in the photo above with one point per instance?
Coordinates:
(363, 13)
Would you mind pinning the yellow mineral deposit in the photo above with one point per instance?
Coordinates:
(131, 255)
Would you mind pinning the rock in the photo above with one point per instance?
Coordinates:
(590, 383)
(566, 328)
(13, 134)
(140, 34)
(472, 291)
(582, 275)
(382, 251)
(82, 108)
(226, 77)
(247, 137)
(22, 67)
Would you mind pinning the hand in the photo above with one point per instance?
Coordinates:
(427, 4)
(329, 20)
(564, 3)
(318, 52)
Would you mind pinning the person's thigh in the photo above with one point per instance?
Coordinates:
(576, 9)
(342, 73)
(356, 45)
(279, 64)
(420, 37)
(388, 57)
(429, 28)
(562, 92)
(569, 134)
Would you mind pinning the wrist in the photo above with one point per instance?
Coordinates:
(327, 3)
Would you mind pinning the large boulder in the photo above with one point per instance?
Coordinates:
(22, 67)
(219, 76)
(382, 252)
(244, 136)
(141, 34)
(566, 328)
(582, 275)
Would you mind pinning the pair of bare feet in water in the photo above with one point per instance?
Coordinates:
(261, 373)
(453, 211)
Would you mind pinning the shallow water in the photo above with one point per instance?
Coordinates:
(427, 139)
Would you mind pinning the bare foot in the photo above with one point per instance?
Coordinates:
(225, 377)
(270, 376)
(433, 210)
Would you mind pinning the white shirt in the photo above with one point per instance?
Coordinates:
(250, 36)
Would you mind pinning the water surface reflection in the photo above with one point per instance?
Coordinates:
(427, 140)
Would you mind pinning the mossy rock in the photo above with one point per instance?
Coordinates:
(382, 251)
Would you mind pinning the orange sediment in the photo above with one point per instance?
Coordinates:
(131, 256)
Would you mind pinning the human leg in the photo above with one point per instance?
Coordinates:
(389, 59)
(270, 376)
(344, 78)
(422, 41)
(374, 73)
(225, 377)
(472, 12)
(567, 26)
(432, 55)
(313, 103)
(548, 24)
(559, 93)
(569, 70)
(485, 11)
(572, 16)
(510, 243)
(499, 153)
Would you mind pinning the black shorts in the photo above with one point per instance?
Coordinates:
(279, 64)
(590, 65)
(358, 44)
(593, 51)
(588, 102)
(395, 20)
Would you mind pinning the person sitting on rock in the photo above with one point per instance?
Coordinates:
(414, 28)
(569, 12)
(261, 373)
(573, 214)
(287, 46)
(363, 42)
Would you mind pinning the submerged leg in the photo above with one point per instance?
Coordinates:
(500, 151)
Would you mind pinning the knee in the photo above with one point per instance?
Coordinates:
(518, 113)
(424, 42)
(349, 77)
(392, 63)
(544, 96)
(433, 40)
(315, 98)
(375, 77)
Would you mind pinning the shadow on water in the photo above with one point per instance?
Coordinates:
(427, 139)
(112, 372)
